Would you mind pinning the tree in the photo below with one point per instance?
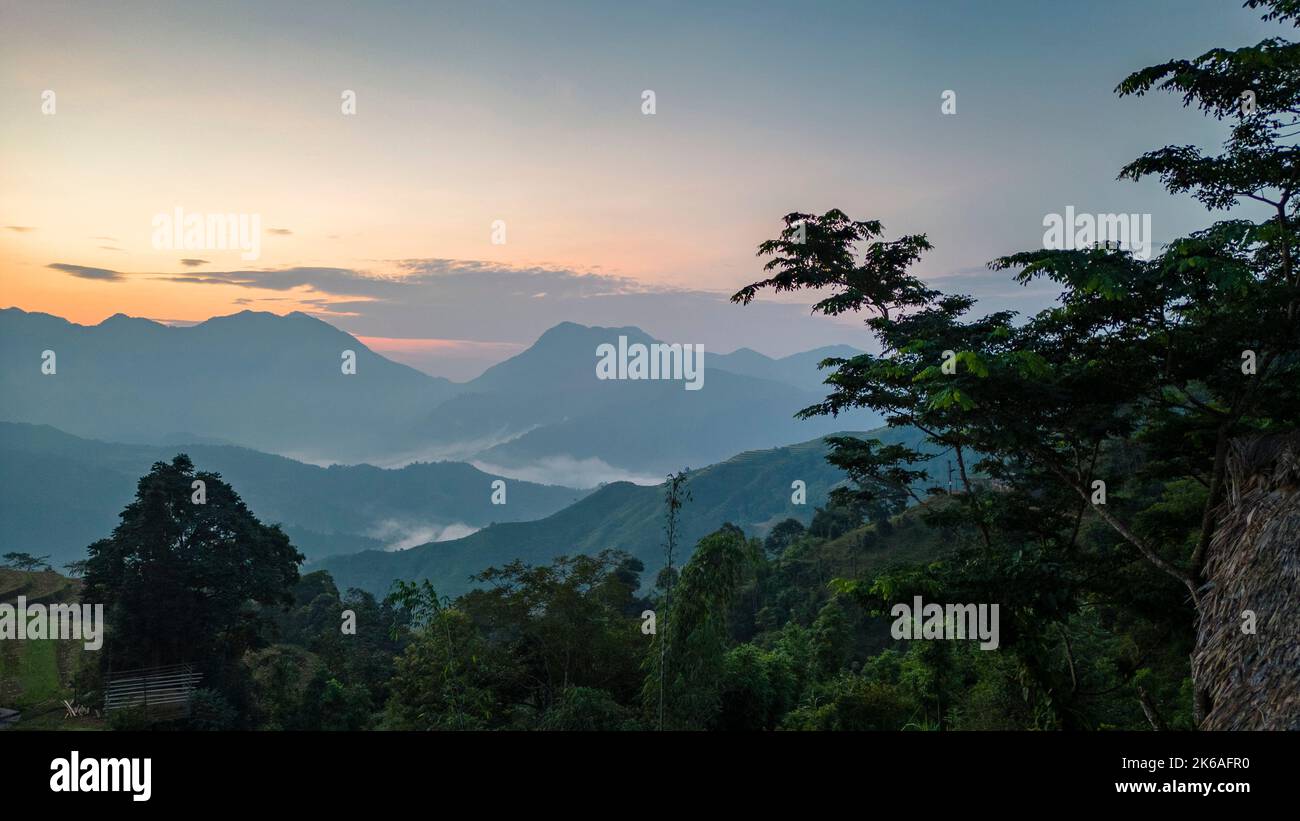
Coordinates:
(184, 581)
(697, 630)
(781, 536)
(449, 677)
(568, 624)
(1137, 376)
(587, 710)
(26, 561)
(837, 518)
(676, 495)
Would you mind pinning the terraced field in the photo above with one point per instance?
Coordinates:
(36, 675)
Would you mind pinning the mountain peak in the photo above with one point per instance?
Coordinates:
(261, 319)
(572, 331)
(567, 348)
(121, 320)
(244, 316)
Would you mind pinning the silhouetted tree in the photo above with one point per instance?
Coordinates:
(188, 581)
(26, 561)
(1144, 371)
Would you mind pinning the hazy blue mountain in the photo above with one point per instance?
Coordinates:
(665, 428)
(274, 384)
(798, 369)
(563, 359)
(270, 382)
(752, 490)
(58, 493)
(552, 381)
(545, 409)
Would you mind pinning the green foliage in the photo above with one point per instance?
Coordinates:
(850, 702)
(587, 709)
(573, 623)
(758, 687)
(329, 704)
(1135, 378)
(186, 582)
(696, 632)
(450, 678)
(210, 710)
(540, 647)
(25, 561)
(782, 535)
(199, 563)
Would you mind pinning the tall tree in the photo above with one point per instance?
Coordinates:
(188, 576)
(26, 561)
(675, 495)
(697, 630)
(1143, 372)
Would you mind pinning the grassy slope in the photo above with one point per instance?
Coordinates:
(910, 542)
(35, 674)
(751, 490)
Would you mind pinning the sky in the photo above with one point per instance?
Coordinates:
(525, 122)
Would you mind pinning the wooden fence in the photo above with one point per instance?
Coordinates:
(162, 692)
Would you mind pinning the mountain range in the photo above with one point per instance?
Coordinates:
(751, 490)
(259, 398)
(59, 493)
(273, 383)
(277, 384)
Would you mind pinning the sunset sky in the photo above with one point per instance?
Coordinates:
(531, 113)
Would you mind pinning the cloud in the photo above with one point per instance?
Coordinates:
(85, 272)
(200, 280)
(474, 300)
(280, 232)
(22, 229)
(403, 535)
(190, 263)
(568, 471)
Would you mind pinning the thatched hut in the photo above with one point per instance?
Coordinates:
(1253, 564)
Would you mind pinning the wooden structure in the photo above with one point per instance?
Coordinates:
(161, 692)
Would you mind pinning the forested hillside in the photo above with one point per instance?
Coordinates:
(753, 491)
(58, 493)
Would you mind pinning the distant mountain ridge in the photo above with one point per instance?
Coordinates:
(59, 493)
(751, 490)
(275, 384)
(798, 369)
(546, 406)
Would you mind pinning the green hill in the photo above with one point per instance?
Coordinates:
(752, 491)
(35, 675)
(59, 493)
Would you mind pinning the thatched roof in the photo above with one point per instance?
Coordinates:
(1254, 564)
